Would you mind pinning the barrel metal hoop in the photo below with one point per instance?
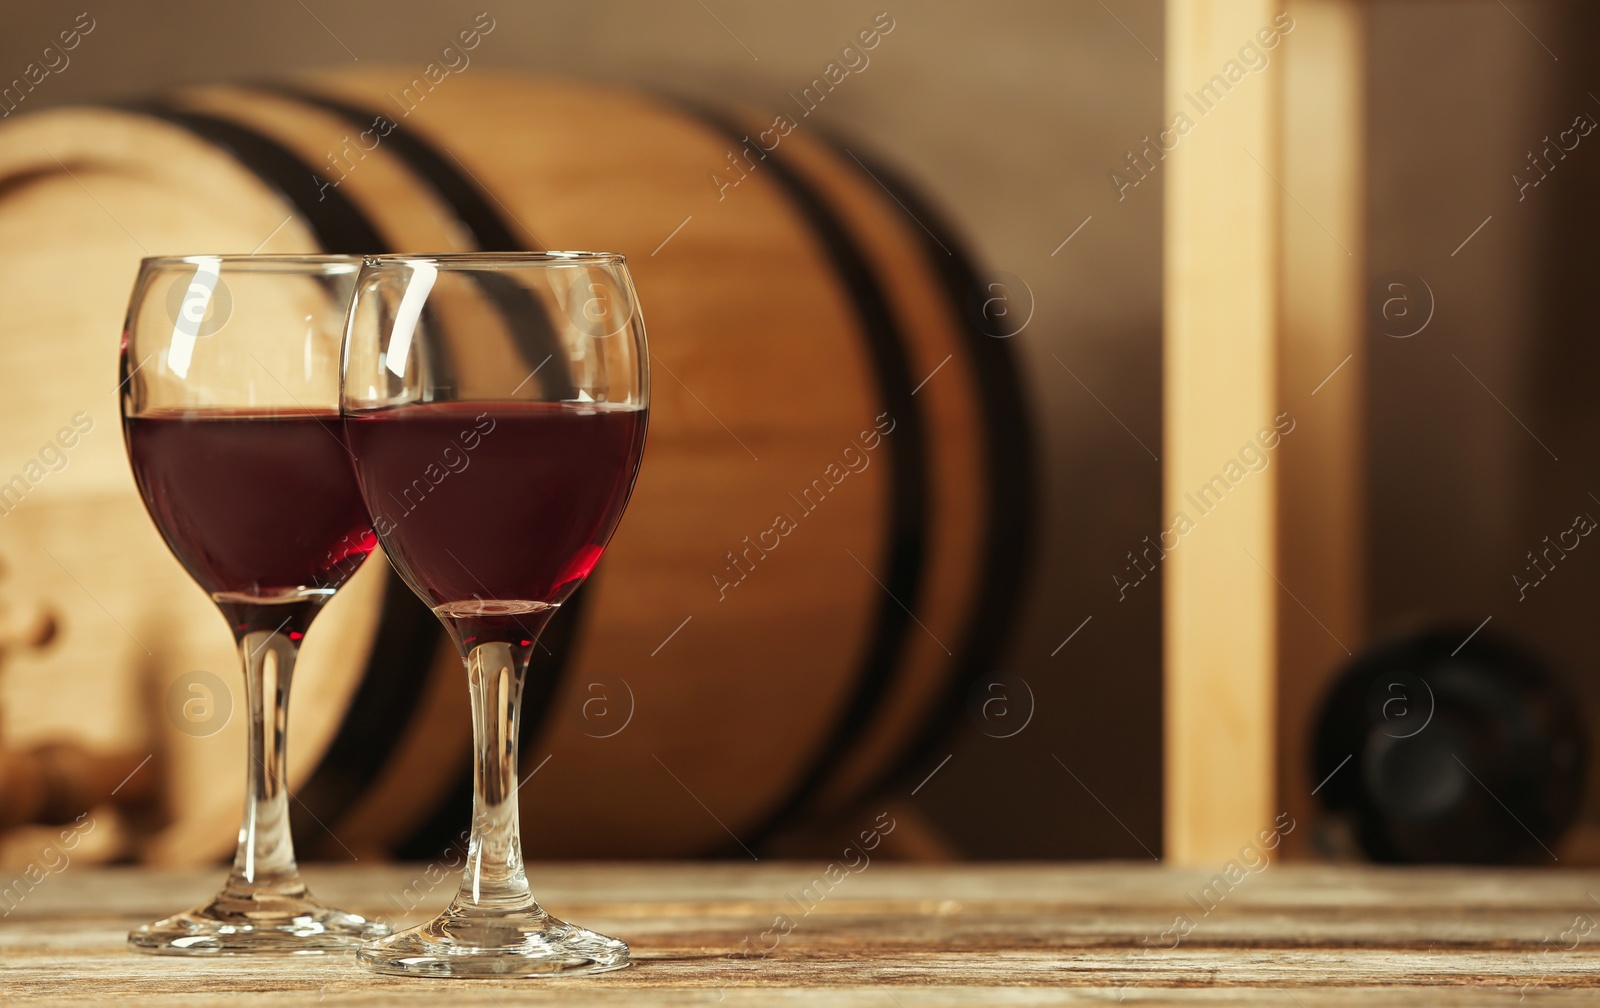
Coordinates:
(1010, 484)
(490, 231)
(904, 558)
(455, 186)
(408, 634)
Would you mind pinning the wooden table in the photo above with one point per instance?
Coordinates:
(889, 936)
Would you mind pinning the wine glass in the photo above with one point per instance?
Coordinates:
(230, 393)
(495, 404)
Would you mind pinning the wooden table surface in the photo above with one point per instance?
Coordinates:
(888, 936)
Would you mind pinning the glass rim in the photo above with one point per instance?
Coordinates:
(267, 262)
(488, 260)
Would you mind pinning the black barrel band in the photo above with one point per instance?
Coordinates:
(1012, 491)
(473, 206)
(470, 203)
(408, 635)
(904, 559)
(537, 341)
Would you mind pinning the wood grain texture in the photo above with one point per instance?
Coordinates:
(889, 935)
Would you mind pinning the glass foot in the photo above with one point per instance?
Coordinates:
(520, 944)
(240, 924)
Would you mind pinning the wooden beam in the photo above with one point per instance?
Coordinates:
(1263, 503)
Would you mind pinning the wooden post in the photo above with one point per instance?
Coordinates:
(1263, 491)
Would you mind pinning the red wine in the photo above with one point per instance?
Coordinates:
(256, 507)
(494, 513)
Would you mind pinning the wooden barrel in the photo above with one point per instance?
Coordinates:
(821, 557)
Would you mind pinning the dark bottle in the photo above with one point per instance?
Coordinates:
(1452, 752)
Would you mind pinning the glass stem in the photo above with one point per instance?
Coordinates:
(264, 863)
(494, 880)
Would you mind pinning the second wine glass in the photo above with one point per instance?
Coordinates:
(495, 404)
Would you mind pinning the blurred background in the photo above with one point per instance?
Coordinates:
(1481, 434)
